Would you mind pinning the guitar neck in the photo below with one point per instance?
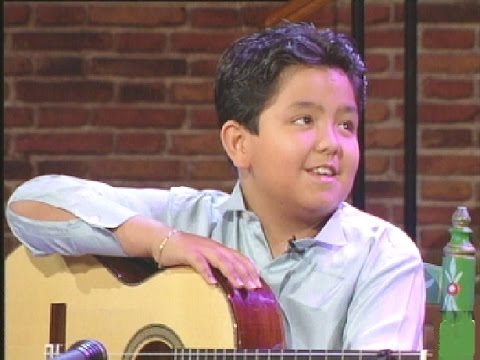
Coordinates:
(267, 354)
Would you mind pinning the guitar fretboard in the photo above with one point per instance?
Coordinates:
(267, 354)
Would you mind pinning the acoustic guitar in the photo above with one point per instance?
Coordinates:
(138, 312)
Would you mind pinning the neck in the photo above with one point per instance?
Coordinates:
(281, 223)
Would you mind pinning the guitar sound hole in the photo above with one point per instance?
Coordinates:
(159, 348)
(152, 342)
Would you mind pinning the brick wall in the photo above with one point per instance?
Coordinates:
(122, 92)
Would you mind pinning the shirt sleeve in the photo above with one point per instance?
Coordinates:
(97, 206)
(388, 308)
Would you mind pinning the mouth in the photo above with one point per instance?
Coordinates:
(324, 170)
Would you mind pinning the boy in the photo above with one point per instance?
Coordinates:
(288, 100)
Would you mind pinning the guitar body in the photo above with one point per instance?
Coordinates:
(61, 300)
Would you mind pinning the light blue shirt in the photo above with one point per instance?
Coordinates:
(358, 284)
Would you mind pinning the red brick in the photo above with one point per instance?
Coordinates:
(15, 14)
(130, 169)
(460, 12)
(398, 217)
(193, 92)
(384, 38)
(140, 42)
(376, 164)
(376, 111)
(399, 62)
(17, 169)
(207, 17)
(447, 113)
(440, 38)
(450, 64)
(134, 14)
(59, 15)
(63, 117)
(327, 16)
(64, 143)
(378, 209)
(17, 65)
(140, 143)
(62, 66)
(196, 144)
(447, 89)
(203, 118)
(399, 163)
(61, 41)
(203, 67)
(384, 188)
(255, 15)
(434, 238)
(450, 165)
(205, 42)
(212, 170)
(387, 138)
(138, 67)
(142, 92)
(385, 88)
(17, 116)
(446, 138)
(377, 63)
(375, 14)
(445, 190)
(435, 215)
(139, 117)
(63, 91)
(70, 167)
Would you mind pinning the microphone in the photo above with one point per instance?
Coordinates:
(293, 247)
(84, 350)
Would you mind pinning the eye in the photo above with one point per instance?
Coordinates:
(349, 126)
(303, 120)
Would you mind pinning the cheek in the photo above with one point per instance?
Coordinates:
(352, 155)
(307, 139)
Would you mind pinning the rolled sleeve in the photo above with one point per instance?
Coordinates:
(97, 206)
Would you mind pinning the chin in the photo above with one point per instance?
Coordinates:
(324, 207)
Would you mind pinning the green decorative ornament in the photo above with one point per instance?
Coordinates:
(458, 291)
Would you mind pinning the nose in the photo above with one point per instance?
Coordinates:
(328, 140)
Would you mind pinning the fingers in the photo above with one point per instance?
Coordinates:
(202, 253)
(201, 266)
(238, 269)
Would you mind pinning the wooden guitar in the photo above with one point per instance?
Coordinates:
(137, 312)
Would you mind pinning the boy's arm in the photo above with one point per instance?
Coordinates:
(388, 307)
(76, 217)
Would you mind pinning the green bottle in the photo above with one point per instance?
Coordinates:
(457, 329)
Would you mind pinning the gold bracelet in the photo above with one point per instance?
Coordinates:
(158, 255)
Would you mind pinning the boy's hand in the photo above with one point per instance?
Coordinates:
(202, 253)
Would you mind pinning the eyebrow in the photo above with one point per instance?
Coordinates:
(310, 104)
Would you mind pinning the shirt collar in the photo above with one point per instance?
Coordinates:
(332, 232)
(235, 201)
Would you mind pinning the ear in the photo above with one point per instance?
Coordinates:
(235, 140)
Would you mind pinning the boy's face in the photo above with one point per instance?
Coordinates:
(306, 154)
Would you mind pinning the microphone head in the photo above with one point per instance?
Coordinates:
(92, 349)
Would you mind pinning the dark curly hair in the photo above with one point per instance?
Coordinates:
(249, 70)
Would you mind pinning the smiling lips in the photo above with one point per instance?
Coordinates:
(324, 170)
